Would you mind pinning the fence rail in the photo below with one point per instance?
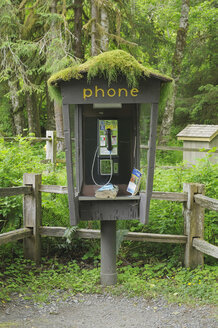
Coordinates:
(133, 236)
(207, 202)
(14, 235)
(14, 191)
(52, 141)
(206, 248)
(40, 139)
(193, 199)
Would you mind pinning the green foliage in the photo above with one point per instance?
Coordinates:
(36, 42)
(197, 93)
(166, 217)
(172, 180)
(176, 284)
(205, 105)
(165, 93)
(6, 117)
(57, 215)
(70, 234)
(16, 159)
(41, 283)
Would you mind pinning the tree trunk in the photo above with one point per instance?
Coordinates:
(94, 41)
(176, 71)
(16, 109)
(33, 115)
(78, 4)
(57, 107)
(104, 24)
(50, 123)
(59, 125)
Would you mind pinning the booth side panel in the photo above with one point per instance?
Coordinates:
(79, 152)
(144, 208)
(73, 202)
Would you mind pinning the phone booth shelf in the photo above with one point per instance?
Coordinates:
(103, 105)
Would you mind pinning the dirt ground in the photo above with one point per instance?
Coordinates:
(105, 311)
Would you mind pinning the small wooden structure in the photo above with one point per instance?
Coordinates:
(199, 136)
(87, 101)
(104, 95)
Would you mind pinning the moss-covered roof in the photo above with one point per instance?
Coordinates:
(109, 65)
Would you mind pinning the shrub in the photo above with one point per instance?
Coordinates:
(16, 159)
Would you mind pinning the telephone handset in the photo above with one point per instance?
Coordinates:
(109, 141)
(108, 160)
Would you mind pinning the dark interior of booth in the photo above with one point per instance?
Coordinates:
(127, 143)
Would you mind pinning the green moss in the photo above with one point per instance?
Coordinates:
(165, 93)
(55, 93)
(109, 65)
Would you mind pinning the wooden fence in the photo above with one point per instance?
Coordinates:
(52, 141)
(193, 199)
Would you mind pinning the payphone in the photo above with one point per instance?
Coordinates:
(109, 146)
(106, 152)
(108, 159)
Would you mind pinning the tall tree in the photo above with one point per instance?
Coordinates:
(17, 110)
(78, 46)
(51, 52)
(32, 114)
(94, 30)
(104, 25)
(176, 71)
(10, 29)
(197, 93)
(20, 61)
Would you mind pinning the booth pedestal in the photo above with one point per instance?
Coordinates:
(108, 253)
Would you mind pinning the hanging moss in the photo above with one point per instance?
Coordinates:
(109, 65)
(55, 93)
(166, 92)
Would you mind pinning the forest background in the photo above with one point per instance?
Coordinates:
(38, 38)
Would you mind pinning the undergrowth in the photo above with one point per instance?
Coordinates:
(144, 269)
(21, 278)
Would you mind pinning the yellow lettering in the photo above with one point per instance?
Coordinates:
(122, 89)
(109, 92)
(133, 91)
(96, 91)
(85, 95)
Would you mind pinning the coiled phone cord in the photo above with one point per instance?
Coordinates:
(92, 170)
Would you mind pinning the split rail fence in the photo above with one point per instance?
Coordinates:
(52, 142)
(193, 199)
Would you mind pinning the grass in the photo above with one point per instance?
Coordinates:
(22, 278)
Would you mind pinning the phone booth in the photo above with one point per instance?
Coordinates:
(105, 119)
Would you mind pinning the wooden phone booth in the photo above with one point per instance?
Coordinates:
(105, 117)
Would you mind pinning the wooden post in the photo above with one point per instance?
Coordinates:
(193, 224)
(32, 217)
(51, 146)
(108, 253)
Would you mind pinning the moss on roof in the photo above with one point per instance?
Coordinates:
(109, 65)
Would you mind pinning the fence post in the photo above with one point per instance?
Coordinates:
(51, 146)
(32, 217)
(193, 224)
